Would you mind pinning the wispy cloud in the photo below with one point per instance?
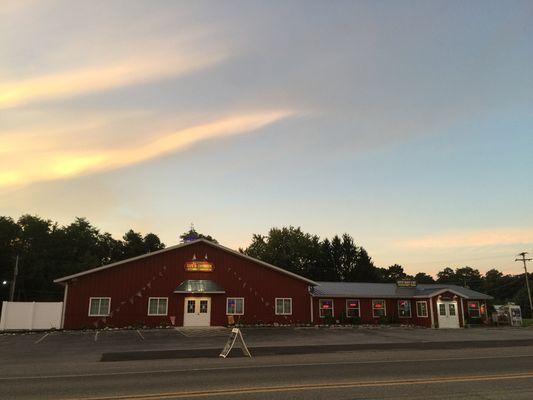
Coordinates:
(79, 81)
(57, 162)
(480, 238)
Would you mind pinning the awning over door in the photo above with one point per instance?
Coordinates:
(199, 286)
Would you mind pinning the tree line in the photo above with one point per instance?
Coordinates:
(47, 251)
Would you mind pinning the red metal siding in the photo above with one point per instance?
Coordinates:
(131, 284)
(365, 310)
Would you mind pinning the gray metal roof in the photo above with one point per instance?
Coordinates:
(199, 286)
(389, 290)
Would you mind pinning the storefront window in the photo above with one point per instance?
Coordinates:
(379, 308)
(352, 309)
(99, 306)
(157, 305)
(283, 306)
(422, 309)
(234, 306)
(473, 309)
(325, 308)
(404, 308)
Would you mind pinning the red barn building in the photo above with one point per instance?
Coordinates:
(201, 283)
(405, 302)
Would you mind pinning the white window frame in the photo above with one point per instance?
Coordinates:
(157, 308)
(384, 308)
(478, 308)
(320, 308)
(358, 308)
(427, 311)
(283, 307)
(234, 298)
(410, 309)
(99, 306)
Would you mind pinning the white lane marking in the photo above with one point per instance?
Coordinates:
(237, 367)
(42, 338)
(140, 334)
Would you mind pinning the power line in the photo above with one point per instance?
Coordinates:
(525, 260)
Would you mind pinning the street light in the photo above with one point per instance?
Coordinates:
(4, 283)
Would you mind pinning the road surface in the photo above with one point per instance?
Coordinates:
(485, 373)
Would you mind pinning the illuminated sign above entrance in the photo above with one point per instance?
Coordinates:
(199, 266)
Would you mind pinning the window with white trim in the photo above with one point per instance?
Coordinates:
(99, 306)
(325, 308)
(157, 305)
(422, 309)
(235, 306)
(404, 308)
(473, 309)
(352, 309)
(283, 306)
(379, 309)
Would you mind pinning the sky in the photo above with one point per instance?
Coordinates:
(407, 124)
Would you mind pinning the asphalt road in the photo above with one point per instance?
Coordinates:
(485, 373)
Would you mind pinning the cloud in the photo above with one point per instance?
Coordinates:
(481, 238)
(30, 164)
(79, 81)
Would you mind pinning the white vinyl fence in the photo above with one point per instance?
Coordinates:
(30, 315)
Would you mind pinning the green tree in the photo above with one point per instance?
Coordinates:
(422, 277)
(9, 239)
(38, 243)
(366, 270)
(469, 277)
(288, 248)
(338, 259)
(393, 273)
(152, 243)
(133, 244)
(447, 276)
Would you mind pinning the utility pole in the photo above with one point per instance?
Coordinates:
(15, 273)
(525, 260)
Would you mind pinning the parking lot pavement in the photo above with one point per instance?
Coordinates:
(88, 346)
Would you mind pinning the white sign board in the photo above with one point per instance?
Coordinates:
(233, 337)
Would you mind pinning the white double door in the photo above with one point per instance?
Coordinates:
(448, 314)
(197, 311)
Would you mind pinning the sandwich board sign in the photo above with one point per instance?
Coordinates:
(234, 335)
